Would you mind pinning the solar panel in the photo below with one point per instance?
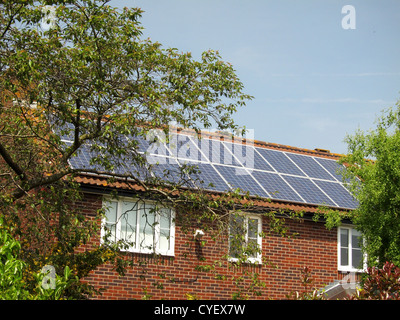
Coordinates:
(338, 192)
(210, 149)
(310, 167)
(333, 167)
(142, 144)
(241, 178)
(122, 164)
(155, 143)
(222, 165)
(167, 169)
(83, 158)
(279, 161)
(247, 156)
(182, 147)
(65, 131)
(205, 176)
(276, 186)
(216, 152)
(309, 191)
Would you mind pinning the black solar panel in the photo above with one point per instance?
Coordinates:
(310, 167)
(337, 192)
(333, 167)
(242, 179)
(280, 162)
(309, 191)
(221, 166)
(247, 156)
(276, 186)
(83, 158)
(183, 147)
(210, 150)
(204, 176)
(168, 170)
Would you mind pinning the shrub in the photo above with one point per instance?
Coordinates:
(380, 284)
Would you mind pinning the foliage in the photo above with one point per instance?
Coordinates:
(97, 82)
(374, 158)
(380, 284)
(377, 284)
(308, 292)
(11, 268)
(13, 285)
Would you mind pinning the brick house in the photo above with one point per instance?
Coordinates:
(172, 264)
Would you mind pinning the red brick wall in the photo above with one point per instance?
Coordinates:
(175, 277)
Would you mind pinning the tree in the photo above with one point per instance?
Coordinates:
(94, 77)
(374, 158)
(88, 82)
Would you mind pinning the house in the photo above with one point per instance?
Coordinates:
(173, 263)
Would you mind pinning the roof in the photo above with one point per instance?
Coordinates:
(291, 177)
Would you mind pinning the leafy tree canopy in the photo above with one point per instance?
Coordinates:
(94, 76)
(81, 70)
(374, 158)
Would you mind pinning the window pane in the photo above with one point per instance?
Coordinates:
(165, 218)
(357, 259)
(252, 248)
(252, 229)
(111, 218)
(237, 225)
(344, 238)
(356, 239)
(344, 256)
(165, 229)
(128, 221)
(252, 237)
(236, 235)
(146, 226)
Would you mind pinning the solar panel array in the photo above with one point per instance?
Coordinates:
(223, 166)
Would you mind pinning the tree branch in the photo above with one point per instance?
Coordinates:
(13, 165)
(11, 21)
(77, 123)
(34, 183)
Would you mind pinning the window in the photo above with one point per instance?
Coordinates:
(146, 227)
(350, 257)
(245, 238)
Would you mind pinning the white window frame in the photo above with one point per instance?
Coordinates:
(156, 227)
(257, 259)
(349, 267)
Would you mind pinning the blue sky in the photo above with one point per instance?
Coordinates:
(313, 81)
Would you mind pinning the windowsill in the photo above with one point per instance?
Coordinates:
(349, 269)
(256, 261)
(169, 253)
(144, 251)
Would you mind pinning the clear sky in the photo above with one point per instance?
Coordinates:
(313, 80)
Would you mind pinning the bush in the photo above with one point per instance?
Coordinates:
(12, 283)
(380, 284)
(377, 284)
(11, 268)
